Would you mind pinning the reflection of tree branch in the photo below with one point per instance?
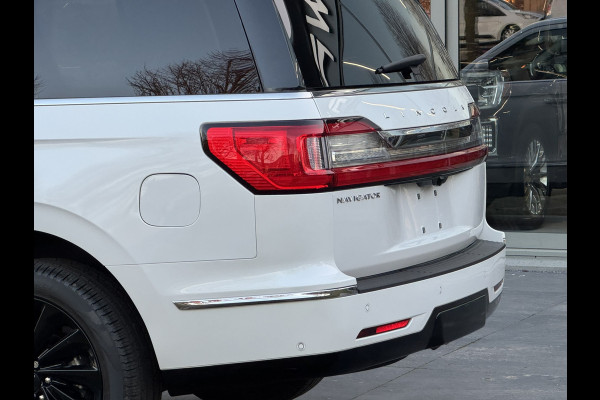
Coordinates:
(231, 71)
(37, 86)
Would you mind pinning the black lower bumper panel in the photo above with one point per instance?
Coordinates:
(447, 322)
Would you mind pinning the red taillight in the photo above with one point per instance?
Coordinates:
(314, 154)
(411, 168)
(383, 328)
(270, 157)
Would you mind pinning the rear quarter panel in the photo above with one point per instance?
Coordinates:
(92, 157)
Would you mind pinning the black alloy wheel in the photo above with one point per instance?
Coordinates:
(88, 341)
(534, 183)
(509, 31)
(535, 179)
(65, 365)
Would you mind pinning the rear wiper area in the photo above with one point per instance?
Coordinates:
(405, 66)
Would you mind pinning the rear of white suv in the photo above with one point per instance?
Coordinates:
(242, 197)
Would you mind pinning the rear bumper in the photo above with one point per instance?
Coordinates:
(476, 252)
(446, 323)
(432, 295)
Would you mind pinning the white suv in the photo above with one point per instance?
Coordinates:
(244, 196)
(495, 20)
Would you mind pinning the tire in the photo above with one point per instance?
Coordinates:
(535, 182)
(508, 32)
(272, 390)
(86, 342)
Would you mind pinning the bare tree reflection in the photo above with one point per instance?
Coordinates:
(37, 86)
(231, 71)
(404, 35)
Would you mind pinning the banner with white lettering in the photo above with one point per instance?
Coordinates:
(318, 34)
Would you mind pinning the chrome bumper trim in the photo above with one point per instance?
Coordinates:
(265, 299)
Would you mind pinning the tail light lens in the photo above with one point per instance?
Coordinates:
(328, 154)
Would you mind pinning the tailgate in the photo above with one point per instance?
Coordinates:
(387, 227)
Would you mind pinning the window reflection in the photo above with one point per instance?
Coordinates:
(485, 23)
(408, 37)
(37, 86)
(222, 72)
(520, 85)
(343, 42)
(107, 48)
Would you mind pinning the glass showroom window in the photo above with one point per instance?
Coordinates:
(513, 58)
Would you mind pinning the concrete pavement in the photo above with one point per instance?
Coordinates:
(520, 354)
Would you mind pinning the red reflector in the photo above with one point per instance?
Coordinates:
(383, 328)
(392, 327)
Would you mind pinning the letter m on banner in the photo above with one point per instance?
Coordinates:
(321, 19)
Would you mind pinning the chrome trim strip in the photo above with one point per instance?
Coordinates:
(387, 89)
(425, 128)
(199, 98)
(283, 95)
(265, 299)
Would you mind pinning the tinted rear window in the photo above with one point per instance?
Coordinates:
(340, 43)
(105, 48)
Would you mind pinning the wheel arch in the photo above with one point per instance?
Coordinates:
(53, 244)
(46, 245)
(545, 122)
(81, 232)
(536, 114)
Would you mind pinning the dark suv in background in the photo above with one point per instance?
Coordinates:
(520, 86)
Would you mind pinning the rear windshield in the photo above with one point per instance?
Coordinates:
(341, 43)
